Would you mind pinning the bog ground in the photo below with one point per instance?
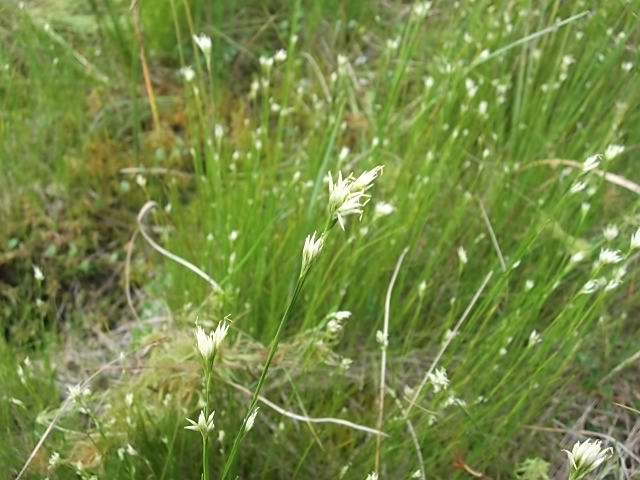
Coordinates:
(319, 240)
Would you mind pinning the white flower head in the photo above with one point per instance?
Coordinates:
(608, 256)
(336, 321)
(310, 250)
(341, 315)
(54, 460)
(345, 363)
(382, 209)
(218, 335)
(590, 287)
(577, 257)
(352, 206)
(266, 63)
(365, 180)
(204, 43)
(347, 195)
(421, 9)
(76, 392)
(280, 56)
(141, 180)
(17, 401)
(585, 457)
(534, 338)
(204, 343)
(37, 273)
(188, 73)
(428, 81)
(334, 326)
(462, 255)
(204, 425)
(612, 284)
(251, 420)
(382, 339)
(591, 163)
(610, 232)
(635, 240)
(372, 476)
(612, 151)
(344, 153)
(339, 191)
(439, 379)
(448, 336)
(218, 132)
(578, 187)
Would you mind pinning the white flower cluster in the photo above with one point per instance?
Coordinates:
(209, 344)
(348, 195)
(585, 457)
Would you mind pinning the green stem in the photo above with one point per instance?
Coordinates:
(263, 376)
(205, 438)
(205, 470)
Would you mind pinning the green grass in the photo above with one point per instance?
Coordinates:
(476, 112)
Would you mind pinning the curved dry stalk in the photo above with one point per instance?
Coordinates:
(464, 316)
(383, 358)
(494, 239)
(302, 418)
(412, 434)
(608, 176)
(155, 171)
(150, 205)
(127, 274)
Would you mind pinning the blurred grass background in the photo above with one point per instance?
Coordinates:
(476, 109)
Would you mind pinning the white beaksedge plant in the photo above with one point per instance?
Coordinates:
(208, 346)
(347, 196)
(585, 457)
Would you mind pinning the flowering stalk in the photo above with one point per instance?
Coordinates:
(346, 197)
(207, 346)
